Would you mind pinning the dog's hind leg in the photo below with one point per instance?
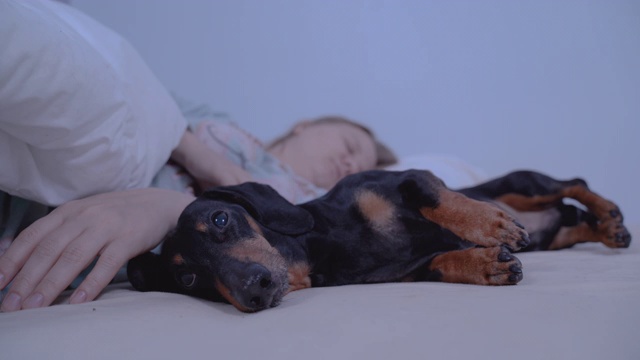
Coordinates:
(608, 229)
(481, 266)
(527, 191)
(569, 236)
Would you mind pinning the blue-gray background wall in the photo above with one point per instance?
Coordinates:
(549, 85)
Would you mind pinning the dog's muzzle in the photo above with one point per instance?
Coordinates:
(253, 288)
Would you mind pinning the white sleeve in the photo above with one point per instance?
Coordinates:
(80, 112)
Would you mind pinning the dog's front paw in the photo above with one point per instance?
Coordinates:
(496, 266)
(495, 228)
(505, 269)
(509, 233)
(476, 221)
(480, 266)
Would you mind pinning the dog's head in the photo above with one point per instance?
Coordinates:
(219, 250)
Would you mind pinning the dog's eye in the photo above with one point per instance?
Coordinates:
(220, 220)
(188, 279)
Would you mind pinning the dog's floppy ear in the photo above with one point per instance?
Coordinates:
(147, 272)
(266, 206)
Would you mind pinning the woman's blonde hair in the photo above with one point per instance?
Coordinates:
(384, 155)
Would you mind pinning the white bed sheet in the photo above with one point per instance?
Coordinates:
(580, 303)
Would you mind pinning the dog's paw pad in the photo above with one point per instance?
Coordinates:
(524, 241)
(615, 213)
(505, 256)
(613, 233)
(512, 234)
(515, 278)
(620, 239)
(507, 270)
(516, 268)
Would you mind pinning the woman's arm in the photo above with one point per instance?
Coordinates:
(206, 166)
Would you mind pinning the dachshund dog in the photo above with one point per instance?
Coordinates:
(248, 246)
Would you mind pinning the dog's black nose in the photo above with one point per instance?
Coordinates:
(258, 288)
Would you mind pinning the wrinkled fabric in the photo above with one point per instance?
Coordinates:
(80, 112)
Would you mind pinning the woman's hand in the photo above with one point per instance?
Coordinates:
(48, 255)
(206, 166)
(216, 170)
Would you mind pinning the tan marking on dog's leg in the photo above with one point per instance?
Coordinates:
(299, 277)
(480, 266)
(569, 236)
(581, 233)
(599, 206)
(378, 211)
(479, 222)
(530, 203)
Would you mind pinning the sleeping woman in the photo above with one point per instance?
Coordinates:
(301, 165)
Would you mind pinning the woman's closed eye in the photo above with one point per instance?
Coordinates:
(351, 149)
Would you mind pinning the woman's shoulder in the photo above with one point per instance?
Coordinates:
(226, 137)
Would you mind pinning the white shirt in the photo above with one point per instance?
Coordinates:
(80, 112)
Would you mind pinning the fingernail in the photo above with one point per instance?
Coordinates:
(78, 297)
(11, 302)
(33, 301)
(1, 280)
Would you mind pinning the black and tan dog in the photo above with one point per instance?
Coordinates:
(248, 246)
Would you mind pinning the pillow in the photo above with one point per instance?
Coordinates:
(452, 170)
(80, 112)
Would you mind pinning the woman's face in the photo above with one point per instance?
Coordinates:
(325, 153)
